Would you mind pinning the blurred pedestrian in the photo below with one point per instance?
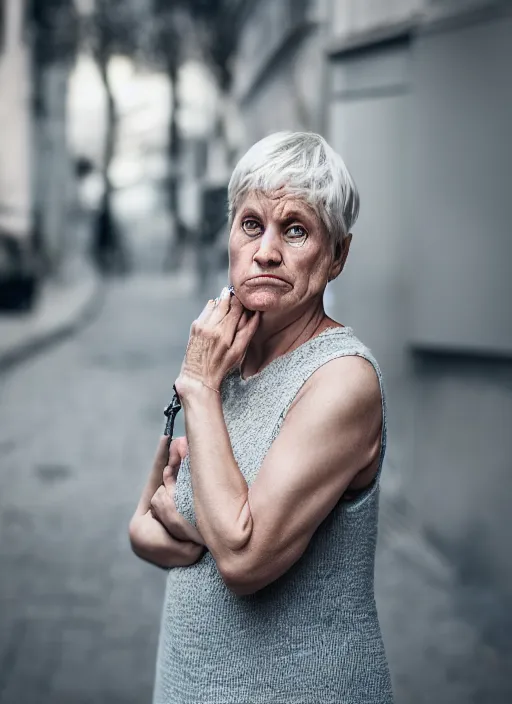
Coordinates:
(265, 514)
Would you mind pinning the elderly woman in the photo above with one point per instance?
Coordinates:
(265, 514)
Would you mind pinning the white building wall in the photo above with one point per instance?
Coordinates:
(279, 67)
(15, 191)
(355, 17)
(424, 126)
(368, 125)
(56, 192)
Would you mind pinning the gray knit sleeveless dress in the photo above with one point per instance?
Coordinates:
(310, 637)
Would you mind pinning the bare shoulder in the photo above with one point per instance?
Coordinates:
(348, 382)
(342, 399)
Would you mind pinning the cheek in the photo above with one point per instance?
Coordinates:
(315, 271)
(240, 254)
(233, 250)
(234, 257)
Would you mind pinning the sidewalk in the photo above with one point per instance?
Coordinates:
(62, 307)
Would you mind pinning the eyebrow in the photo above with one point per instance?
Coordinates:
(296, 215)
(291, 215)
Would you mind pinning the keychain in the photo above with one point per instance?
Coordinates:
(170, 412)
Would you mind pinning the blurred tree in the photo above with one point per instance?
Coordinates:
(170, 30)
(219, 22)
(210, 26)
(111, 28)
(55, 33)
(53, 27)
(204, 29)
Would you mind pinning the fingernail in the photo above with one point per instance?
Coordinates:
(224, 293)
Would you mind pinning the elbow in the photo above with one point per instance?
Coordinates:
(137, 543)
(240, 586)
(240, 579)
(248, 573)
(133, 535)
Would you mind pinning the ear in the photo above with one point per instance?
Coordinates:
(340, 257)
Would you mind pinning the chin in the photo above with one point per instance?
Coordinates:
(263, 301)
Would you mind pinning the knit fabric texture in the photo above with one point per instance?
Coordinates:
(310, 637)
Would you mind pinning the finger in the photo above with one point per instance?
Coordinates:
(157, 501)
(242, 322)
(244, 336)
(171, 470)
(234, 320)
(169, 477)
(182, 445)
(164, 510)
(221, 307)
(242, 339)
(174, 454)
(207, 310)
(162, 452)
(177, 453)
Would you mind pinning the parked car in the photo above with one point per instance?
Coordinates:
(18, 274)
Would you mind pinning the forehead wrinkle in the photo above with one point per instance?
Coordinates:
(284, 203)
(281, 205)
(294, 208)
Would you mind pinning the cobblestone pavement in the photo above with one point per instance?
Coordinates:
(78, 429)
(78, 612)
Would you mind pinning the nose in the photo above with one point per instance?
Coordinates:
(268, 253)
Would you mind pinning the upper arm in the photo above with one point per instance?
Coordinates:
(329, 435)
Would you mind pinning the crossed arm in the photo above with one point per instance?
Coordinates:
(331, 435)
(158, 534)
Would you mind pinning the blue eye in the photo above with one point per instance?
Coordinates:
(296, 234)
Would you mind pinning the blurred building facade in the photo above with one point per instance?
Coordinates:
(14, 120)
(37, 185)
(416, 96)
(15, 137)
(279, 68)
(54, 199)
(419, 104)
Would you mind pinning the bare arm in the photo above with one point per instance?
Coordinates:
(330, 435)
(158, 534)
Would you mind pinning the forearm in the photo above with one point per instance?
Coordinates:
(157, 533)
(220, 490)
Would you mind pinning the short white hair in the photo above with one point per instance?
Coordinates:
(304, 164)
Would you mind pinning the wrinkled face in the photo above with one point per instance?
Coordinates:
(279, 253)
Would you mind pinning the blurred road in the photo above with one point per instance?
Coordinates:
(78, 427)
(80, 614)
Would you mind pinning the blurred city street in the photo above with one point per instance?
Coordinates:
(80, 612)
(79, 425)
(120, 124)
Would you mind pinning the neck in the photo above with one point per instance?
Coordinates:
(277, 335)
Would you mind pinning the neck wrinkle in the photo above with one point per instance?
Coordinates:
(257, 357)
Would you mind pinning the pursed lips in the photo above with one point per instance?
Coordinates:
(267, 276)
